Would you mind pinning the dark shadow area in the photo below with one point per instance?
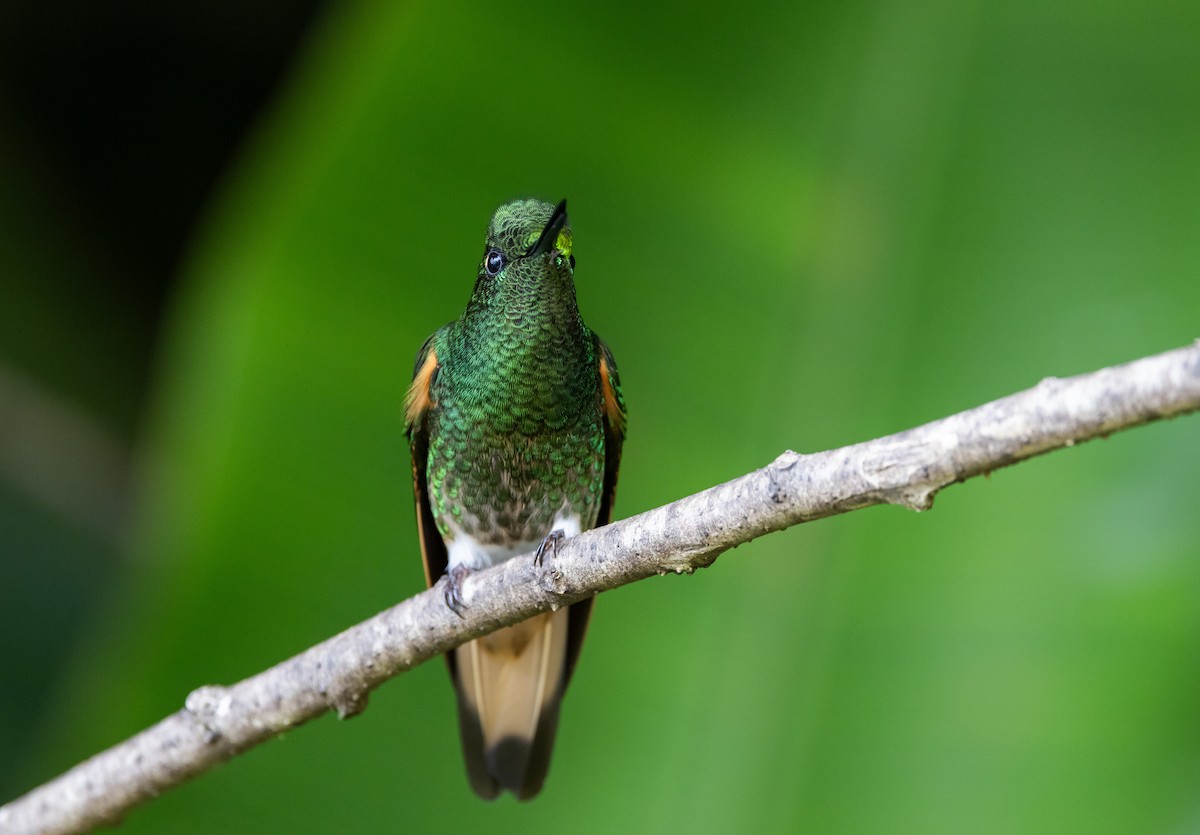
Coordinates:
(117, 120)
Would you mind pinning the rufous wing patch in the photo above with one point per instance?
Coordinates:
(611, 402)
(418, 399)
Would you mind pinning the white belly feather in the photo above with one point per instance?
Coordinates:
(464, 549)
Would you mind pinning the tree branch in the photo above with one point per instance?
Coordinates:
(907, 469)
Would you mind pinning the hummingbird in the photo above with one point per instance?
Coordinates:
(515, 421)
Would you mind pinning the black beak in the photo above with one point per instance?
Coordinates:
(549, 235)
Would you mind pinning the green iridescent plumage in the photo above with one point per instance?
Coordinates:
(517, 438)
(516, 422)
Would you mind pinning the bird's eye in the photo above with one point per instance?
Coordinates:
(572, 260)
(493, 262)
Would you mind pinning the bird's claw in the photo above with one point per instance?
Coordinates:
(549, 544)
(453, 593)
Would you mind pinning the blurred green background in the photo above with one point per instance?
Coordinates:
(226, 231)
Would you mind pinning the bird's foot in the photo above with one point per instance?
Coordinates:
(549, 545)
(453, 593)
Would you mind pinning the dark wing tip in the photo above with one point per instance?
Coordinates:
(514, 764)
(508, 762)
(520, 765)
(482, 782)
